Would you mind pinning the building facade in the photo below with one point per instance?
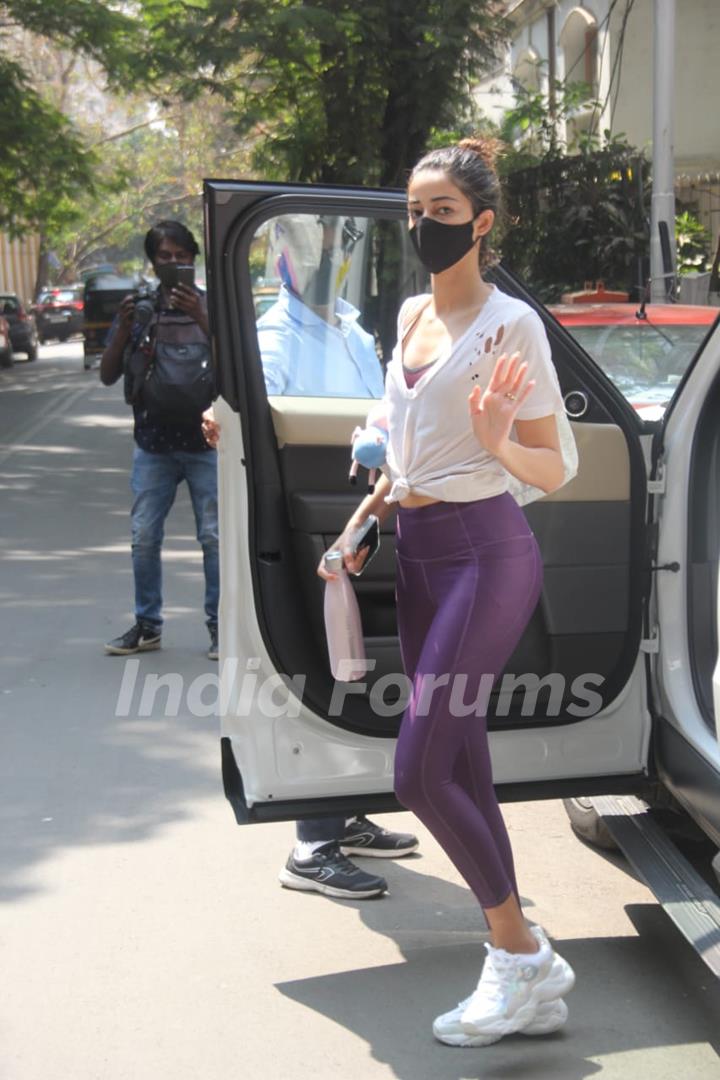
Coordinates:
(609, 45)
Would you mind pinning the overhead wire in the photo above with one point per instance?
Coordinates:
(616, 69)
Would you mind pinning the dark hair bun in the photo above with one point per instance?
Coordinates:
(486, 149)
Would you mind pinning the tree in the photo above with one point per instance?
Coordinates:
(154, 170)
(336, 91)
(572, 217)
(44, 163)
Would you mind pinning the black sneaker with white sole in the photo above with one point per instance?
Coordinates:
(139, 638)
(328, 871)
(364, 837)
(214, 650)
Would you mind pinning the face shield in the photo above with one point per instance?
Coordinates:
(311, 255)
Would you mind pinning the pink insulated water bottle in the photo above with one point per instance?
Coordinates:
(342, 623)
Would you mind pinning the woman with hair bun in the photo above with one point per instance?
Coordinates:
(474, 412)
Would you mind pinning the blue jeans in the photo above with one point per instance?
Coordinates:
(317, 829)
(154, 482)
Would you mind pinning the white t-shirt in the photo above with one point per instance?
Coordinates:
(432, 449)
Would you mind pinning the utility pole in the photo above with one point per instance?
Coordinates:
(663, 173)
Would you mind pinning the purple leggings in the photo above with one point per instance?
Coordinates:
(469, 577)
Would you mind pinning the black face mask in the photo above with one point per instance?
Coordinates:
(440, 246)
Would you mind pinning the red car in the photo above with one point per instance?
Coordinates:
(59, 312)
(644, 351)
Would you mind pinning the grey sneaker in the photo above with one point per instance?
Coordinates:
(328, 871)
(364, 837)
(139, 638)
(214, 649)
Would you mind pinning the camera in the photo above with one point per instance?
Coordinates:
(144, 309)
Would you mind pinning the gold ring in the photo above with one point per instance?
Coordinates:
(510, 396)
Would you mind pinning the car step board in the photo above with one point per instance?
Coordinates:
(689, 901)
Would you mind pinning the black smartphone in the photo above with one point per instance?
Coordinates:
(367, 538)
(186, 275)
(172, 274)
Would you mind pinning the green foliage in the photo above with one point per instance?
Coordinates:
(43, 163)
(577, 213)
(692, 240)
(529, 129)
(336, 91)
(332, 90)
(149, 173)
(577, 219)
(105, 32)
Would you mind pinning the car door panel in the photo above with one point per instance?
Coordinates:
(284, 487)
(586, 566)
(686, 613)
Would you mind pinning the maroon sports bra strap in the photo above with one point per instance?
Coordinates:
(411, 323)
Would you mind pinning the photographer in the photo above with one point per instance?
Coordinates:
(159, 343)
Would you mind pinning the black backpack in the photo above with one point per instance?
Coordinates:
(169, 374)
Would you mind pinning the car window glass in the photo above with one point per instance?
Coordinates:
(326, 292)
(645, 357)
(58, 296)
(9, 305)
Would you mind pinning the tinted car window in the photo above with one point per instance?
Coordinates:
(9, 305)
(645, 358)
(60, 296)
(326, 292)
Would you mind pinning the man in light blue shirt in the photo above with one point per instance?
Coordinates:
(311, 344)
(304, 354)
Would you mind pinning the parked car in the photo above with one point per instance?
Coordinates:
(59, 313)
(6, 349)
(630, 546)
(644, 350)
(103, 294)
(23, 332)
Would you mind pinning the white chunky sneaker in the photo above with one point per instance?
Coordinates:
(513, 986)
(449, 1029)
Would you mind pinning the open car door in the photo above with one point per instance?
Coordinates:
(569, 715)
(684, 617)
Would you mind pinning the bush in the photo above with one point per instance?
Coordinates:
(579, 218)
(692, 240)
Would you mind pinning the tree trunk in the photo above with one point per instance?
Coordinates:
(43, 267)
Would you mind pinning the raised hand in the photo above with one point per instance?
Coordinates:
(493, 410)
(210, 428)
(184, 298)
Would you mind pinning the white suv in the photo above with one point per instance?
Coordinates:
(614, 690)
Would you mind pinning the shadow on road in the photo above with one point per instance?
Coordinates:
(85, 776)
(391, 1008)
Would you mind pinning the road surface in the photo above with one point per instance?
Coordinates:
(144, 936)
